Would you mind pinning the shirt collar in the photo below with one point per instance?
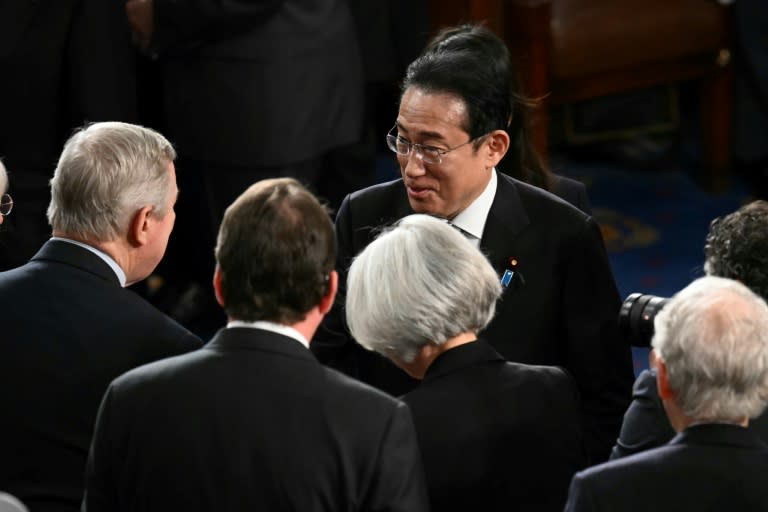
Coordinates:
(101, 254)
(272, 327)
(472, 218)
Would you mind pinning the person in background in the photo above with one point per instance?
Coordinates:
(737, 248)
(710, 351)
(251, 90)
(64, 63)
(252, 421)
(68, 325)
(559, 302)
(492, 434)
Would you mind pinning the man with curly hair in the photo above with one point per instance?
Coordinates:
(736, 247)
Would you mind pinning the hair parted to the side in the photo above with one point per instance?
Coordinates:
(276, 248)
(420, 282)
(737, 247)
(105, 174)
(490, 87)
(713, 339)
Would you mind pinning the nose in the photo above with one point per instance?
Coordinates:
(414, 165)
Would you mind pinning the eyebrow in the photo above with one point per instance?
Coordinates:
(425, 134)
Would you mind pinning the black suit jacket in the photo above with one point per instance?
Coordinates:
(494, 434)
(572, 191)
(560, 309)
(68, 329)
(646, 425)
(259, 83)
(707, 467)
(251, 422)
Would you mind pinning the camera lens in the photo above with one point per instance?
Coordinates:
(636, 318)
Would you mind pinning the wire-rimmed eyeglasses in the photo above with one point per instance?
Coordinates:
(427, 154)
(6, 204)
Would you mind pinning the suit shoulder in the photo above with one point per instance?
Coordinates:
(165, 327)
(641, 462)
(160, 370)
(345, 388)
(538, 199)
(379, 191)
(374, 201)
(543, 378)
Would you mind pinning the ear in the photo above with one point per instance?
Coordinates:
(217, 286)
(662, 378)
(498, 144)
(141, 227)
(326, 303)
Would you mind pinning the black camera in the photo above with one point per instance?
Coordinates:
(636, 318)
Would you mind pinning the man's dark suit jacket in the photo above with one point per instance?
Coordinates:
(646, 425)
(706, 467)
(560, 309)
(496, 435)
(67, 330)
(572, 191)
(251, 422)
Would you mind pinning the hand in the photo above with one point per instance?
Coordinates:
(140, 18)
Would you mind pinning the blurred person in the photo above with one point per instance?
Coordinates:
(251, 90)
(522, 161)
(750, 94)
(710, 351)
(560, 299)
(737, 248)
(64, 63)
(252, 421)
(68, 326)
(492, 434)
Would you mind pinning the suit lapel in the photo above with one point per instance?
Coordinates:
(506, 219)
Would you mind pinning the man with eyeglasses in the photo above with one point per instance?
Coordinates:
(560, 302)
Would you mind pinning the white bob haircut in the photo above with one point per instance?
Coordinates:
(106, 173)
(420, 282)
(713, 339)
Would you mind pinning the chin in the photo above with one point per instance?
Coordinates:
(427, 207)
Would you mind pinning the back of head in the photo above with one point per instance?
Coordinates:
(418, 283)
(503, 97)
(737, 247)
(276, 248)
(713, 339)
(106, 172)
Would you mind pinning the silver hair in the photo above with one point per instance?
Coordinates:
(3, 179)
(107, 172)
(713, 339)
(421, 282)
